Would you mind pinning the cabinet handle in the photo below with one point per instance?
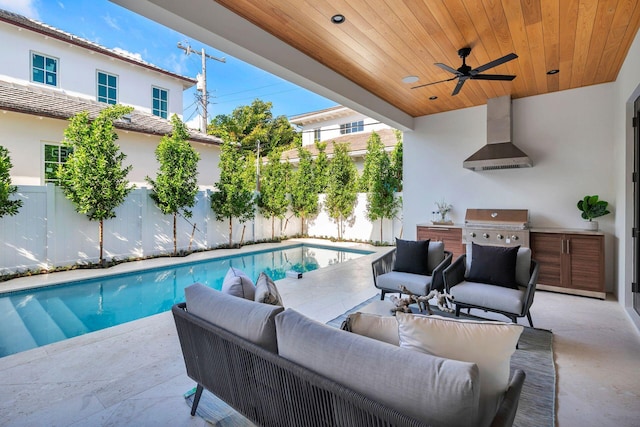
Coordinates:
(568, 246)
(562, 246)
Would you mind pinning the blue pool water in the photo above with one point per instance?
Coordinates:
(36, 317)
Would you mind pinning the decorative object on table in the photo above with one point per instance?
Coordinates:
(441, 215)
(591, 207)
(443, 301)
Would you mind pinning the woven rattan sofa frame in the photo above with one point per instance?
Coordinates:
(272, 391)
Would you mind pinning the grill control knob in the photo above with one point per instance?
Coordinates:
(514, 237)
(472, 234)
(485, 235)
(499, 236)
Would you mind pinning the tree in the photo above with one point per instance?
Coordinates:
(303, 190)
(176, 185)
(7, 207)
(233, 198)
(249, 124)
(372, 159)
(396, 161)
(93, 177)
(342, 191)
(321, 167)
(381, 200)
(274, 177)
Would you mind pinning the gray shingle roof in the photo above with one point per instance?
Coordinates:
(40, 101)
(48, 30)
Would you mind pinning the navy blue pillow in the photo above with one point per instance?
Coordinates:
(494, 264)
(412, 256)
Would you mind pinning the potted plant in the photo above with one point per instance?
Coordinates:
(591, 207)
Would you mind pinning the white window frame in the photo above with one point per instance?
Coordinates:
(153, 98)
(117, 89)
(352, 127)
(59, 161)
(44, 70)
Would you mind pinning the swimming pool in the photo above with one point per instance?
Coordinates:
(36, 317)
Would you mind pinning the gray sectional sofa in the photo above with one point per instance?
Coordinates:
(280, 368)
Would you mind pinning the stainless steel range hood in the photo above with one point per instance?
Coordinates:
(499, 153)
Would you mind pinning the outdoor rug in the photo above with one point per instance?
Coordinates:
(534, 356)
(537, 406)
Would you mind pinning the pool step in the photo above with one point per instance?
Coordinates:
(42, 327)
(14, 335)
(67, 320)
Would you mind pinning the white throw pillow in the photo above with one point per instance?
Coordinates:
(266, 291)
(381, 328)
(487, 344)
(238, 284)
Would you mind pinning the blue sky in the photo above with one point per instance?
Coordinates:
(229, 84)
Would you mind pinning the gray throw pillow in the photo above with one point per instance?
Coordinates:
(266, 291)
(495, 265)
(412, 257)
(238, 284)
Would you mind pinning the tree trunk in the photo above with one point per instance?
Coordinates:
(381, 229)
(230, 231)
(244, 227)
(273, 219)
(100, 238)
(302, 224)
(175, 236)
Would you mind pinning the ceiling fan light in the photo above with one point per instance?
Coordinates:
(433, 98)
(338, 18)
(410, 79)
(551, 72)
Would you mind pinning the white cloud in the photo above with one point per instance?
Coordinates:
(112, 22)
(23, 7)
(61, 5)
(127, 53)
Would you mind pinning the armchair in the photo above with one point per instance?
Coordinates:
(387, 279)
(512, 302)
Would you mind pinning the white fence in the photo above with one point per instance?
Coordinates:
(49, 232)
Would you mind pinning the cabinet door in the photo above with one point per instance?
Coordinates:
(451, 237)
(547, 249)
(587, 261)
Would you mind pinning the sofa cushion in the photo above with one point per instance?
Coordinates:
(412, 256)
(416, 283)
(436, 255)
(266, 291)
(523, 265)
(489, 296)
(381, 328)
(238, 284)
(494, 264)
(487, 344)
(247, 319)
(432, 389)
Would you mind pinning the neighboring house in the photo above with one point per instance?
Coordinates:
(48, 75)
(338, 125)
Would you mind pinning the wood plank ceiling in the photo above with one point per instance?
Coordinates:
(382, 41)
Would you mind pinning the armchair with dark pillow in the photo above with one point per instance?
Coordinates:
(418, 265)
(493, 278)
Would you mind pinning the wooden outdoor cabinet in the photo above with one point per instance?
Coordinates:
(450, 235)
(570, 262)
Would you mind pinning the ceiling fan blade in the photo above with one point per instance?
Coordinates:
(447, 68)
(458, 87)
(492, 77)
(494, 63)
(433, 83)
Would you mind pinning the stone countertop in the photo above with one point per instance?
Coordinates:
(439, 225)
(561, 230)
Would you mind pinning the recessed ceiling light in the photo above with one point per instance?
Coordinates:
(410, 79)
(338, 19)
(433, 98)
(550, 72)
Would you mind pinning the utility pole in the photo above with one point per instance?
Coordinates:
(202, 81)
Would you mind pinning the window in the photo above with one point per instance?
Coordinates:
(44, 69)
(159, 100)
(316, 134)
(54, 155)
(352, 127)
(107, 88)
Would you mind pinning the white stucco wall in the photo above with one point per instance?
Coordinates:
(331, 128)
(568, 135)
(25, 135)
(77, 70)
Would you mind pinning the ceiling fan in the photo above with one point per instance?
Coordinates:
(465, 72)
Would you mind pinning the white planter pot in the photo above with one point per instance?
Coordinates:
(591, 225)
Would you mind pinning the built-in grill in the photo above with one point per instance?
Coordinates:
(498, 227)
